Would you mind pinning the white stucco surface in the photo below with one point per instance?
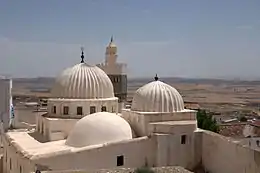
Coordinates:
(83, 81)
(83, 130)
(99, 128)
(157, 96)
(111, 105)
(221, 154)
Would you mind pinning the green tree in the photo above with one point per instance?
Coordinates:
(206, 122)
(242, 119)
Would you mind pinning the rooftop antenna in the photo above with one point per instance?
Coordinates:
(82, 54)
(156, 77)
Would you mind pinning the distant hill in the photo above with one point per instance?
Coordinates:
(43, 83)
(34, 83)
(198, 81)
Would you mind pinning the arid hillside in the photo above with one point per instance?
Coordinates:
(215, 95)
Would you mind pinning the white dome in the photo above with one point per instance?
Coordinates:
(99, 128)
(83, 81)
(157, 96)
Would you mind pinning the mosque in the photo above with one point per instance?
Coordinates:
(86, 128)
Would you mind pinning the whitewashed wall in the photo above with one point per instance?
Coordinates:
(220, 154)
(140, 121)
(5, 100)
(14, 161)
(137, 153)
(170, 151)
(110, 103)
(54, 128)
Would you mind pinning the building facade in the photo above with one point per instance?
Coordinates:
(115, 71)
(83, 132)
(5, 101)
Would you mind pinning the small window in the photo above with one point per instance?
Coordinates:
(42, 128)
(103, 109)
(54, 109)
(65, 110)
(92, 109)
(21, 169)
(120, 160)
(79, 110)
(113, 109)
(10, 164)
(183, 139)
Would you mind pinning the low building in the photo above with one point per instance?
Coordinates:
(83, 130)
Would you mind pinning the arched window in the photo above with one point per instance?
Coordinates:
(112, 109)
(103, 109)
(10, 163)
(79, 110)
(92, 109)
(42, 128)
(65, 110)
(54, 109)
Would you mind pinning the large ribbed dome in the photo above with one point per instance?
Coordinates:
(157, 96)
(99, 128)
(83, 81)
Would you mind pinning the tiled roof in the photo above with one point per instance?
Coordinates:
(232, 130)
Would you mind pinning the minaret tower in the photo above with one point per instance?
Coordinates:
(116, 72)
(111, 53)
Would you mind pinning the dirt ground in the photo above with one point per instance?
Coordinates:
(220, 97)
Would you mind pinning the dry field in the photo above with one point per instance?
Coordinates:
(223, 97)
(215, 95)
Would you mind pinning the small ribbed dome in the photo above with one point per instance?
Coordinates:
(83, 81)
(99, 128)
(157, 96)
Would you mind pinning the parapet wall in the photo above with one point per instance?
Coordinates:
(135, 153)
(222, 155)
(169, 169)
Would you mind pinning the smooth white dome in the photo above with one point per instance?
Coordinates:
(83, 81)
(99, 128)
(157, 96)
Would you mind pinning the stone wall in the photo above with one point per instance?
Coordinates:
(222, 155)
(169, 169)
(135, 153)
(1, 164)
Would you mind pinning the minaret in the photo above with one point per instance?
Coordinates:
(116, 72)
(111, 53)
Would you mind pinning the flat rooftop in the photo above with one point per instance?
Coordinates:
(173, 123)
(168, 169)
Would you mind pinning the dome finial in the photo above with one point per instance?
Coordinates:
(156, 77)
(82, 54)
(112, 39)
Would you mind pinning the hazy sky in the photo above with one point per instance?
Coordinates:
(190, 38)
